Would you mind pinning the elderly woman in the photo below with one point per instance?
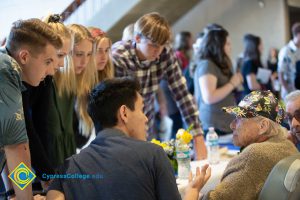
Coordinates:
(257, 130)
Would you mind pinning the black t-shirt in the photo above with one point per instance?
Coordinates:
(249, 67)
(272, 66)
(35, 101)
(117, 167)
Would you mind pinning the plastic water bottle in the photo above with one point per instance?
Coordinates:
(212, 143)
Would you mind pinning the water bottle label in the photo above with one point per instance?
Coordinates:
(212, 142)
(182, 154)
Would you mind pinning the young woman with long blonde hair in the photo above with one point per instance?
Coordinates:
(104, 66)
(72, 83)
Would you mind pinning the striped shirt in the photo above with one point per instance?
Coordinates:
(150, 73)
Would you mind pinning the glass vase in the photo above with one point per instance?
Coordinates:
(184, 164)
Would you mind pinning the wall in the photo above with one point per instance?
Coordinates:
(294, 3)
(240, 17)
(13, 10)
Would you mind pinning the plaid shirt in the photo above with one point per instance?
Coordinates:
(150, 74)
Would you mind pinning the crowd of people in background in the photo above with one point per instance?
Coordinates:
(62, 85)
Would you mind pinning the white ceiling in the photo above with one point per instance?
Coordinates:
(12, 10)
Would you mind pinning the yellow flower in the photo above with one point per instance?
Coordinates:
(164, 145)
(155, 141)
(186, 137)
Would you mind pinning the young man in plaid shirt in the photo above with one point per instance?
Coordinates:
(149, 58)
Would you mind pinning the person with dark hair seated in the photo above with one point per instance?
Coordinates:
(119, 163)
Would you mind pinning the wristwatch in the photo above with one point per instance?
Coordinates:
(9, 193)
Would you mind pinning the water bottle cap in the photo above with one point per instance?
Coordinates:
(211, 129)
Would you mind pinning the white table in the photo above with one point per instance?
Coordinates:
(216, 173)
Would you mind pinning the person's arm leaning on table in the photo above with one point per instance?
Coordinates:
(15, 154)
(185, 102)
(195, 185)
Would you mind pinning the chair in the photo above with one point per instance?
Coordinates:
(284, 180)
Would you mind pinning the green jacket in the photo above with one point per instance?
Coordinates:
(60, 134)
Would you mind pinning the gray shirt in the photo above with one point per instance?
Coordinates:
(211, 115)
(12, 123)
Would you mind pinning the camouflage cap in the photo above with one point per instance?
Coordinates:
(258, 103)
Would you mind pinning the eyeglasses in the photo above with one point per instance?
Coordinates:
(289, 117)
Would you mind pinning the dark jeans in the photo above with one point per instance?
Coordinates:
(177, 123)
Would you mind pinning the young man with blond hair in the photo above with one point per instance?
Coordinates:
(29, 55)
(149, 58)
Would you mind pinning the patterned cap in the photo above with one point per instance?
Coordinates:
(258, 103)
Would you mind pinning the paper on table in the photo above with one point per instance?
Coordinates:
(263, 75)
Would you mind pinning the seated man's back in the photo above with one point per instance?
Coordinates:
(120, 163)
(120, 168)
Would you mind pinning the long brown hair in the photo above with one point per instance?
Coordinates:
(251, 51)
(212, 48)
